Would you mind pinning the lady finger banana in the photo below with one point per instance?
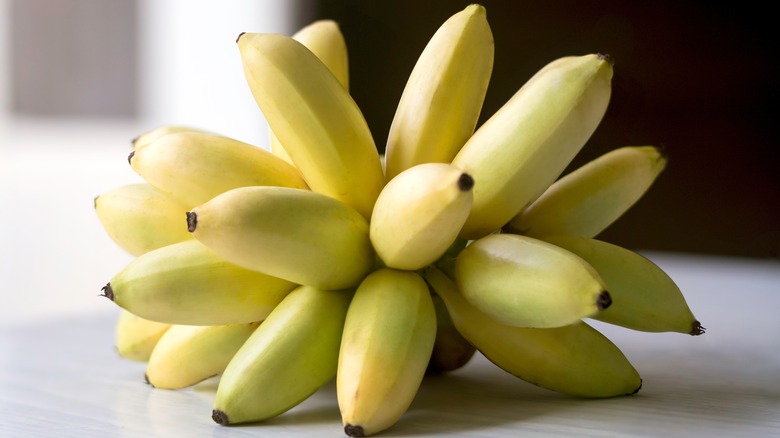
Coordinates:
(575, 359)
(388, 337)
(187, 283)
(301, 236)
(450, 349)
(589, 199)
(193, 167)
(140, 218)
(527, 144)
(646, 298)
(153, 134)
(442, 100)
(314, 117)
(419, 214)
(136, 337)
(291, 355)
(189, 354)
(525, 282)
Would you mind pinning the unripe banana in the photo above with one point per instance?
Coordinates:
(140, 218)
(527, 144)
(193, 167)
(574, 359)
(646, 298)
(388, 337)
(187, 283)
(450, 349)
(442, 100)
(525, 282)
(136, 337)
(315, 118)
(189, 354)
(301, 236)
(419, 214)
(589, 199)
(153, 134)
(291, 355)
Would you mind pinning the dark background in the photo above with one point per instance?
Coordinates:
(698, 78)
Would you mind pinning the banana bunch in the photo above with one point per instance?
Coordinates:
(279, 271)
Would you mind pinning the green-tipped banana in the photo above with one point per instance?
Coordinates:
(188, 354)
(136, 337)
(140, 218)
(187, 283)
(301, 236)
(450, 349)
(646, 298)
(525, 282)
(193, 167)
(324, 39)
(291, 355)
(527, 144)
(442, 100)
(588, 200)
(574, 359)
(419, 214)
(153, 134)
(314, 117)
(388, 337)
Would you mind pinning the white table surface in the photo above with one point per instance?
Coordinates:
(60, 377)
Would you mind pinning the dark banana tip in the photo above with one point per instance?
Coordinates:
(192, 221)
(603, 301)
(220, 417)
(465, 182)
(637, 388)
(107, 292)
(146, 379)
(130, 158)
(94, 202)
(607, 57)
(239, 36)
(697, 329)
(351, 430)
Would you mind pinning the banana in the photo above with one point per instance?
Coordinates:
(136, 337)
(523, 148)
(450, 349)
(525, 282)
(314, 117)
(302, 236)
(188, 354)
(646, 298)
(153, 134)
(325, 40)
(187, 283)
(388, 338)
(193, 167)
(441, 103)
(575, 359)
(291, 355)
(140, 218)
(419, 214)
(589, 199)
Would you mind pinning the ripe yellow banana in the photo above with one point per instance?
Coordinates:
(388, 338)
(187, 283)
(140, 218)
(525, 282)
(442, 100)
(299, 235)
(589, 199)
(419, 214)
(193, 167)
(291, 355)
(574, 359)
(314, 117)
(450, 349)
(189, 354)
(523, 148)
(136, 337)
(646, 298)
(153, 134)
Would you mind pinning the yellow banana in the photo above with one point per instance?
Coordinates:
(646, 298)
(291, 355)
(442, 100)
(388, 338)
(589, 199)
(153, 134)
(450, 349)
(187, 283)
(136, 337)
(523, 148)
(525, 282)
(419, 214)
(193, 167)
(140, 218)
(315, 118)
(301, 236)
(189, 354)
(575, 359)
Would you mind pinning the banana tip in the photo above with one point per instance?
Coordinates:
(352, 430)
(239, 36)
(604, 300)
(607, 57)
(130, 158)
(465, 182)
(220, 417)
(697, 329)
(192, 221)
(107, 292)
